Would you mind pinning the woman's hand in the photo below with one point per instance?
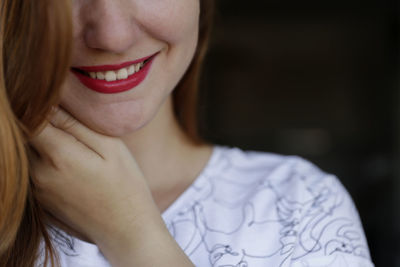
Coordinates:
(92, 187)
(89, 181)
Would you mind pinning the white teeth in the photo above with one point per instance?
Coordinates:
(111, 76)
(137, 67)
(122, 74)
(131, 70)
(100, 75)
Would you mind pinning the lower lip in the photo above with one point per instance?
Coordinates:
(119, 86)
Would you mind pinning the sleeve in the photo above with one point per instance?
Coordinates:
(329, 232)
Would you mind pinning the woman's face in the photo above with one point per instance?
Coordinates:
(110, 37)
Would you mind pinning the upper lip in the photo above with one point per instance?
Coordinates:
(112, 67)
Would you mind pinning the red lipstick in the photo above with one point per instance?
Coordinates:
(118, 86)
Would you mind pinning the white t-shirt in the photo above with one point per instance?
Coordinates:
(255, 209)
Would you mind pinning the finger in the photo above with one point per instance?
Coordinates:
(54, 145)
(42, 174)
(34, 165)
(64, 121)
(46, 141)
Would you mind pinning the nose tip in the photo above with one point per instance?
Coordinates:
(110, 38)
(111, 29)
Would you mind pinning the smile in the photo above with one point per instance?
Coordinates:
(111, 79)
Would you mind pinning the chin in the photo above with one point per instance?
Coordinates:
(115, 122)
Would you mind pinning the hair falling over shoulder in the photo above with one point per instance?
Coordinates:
(35, 47)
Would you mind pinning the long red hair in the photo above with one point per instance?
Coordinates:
(35, 42)
(35, 45)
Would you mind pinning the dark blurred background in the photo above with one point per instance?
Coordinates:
(317, 79)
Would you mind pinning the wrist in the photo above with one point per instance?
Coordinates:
(123, 227)
(138, 245)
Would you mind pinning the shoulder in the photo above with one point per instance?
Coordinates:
(290, 177)
(312, 213)
(287, 174)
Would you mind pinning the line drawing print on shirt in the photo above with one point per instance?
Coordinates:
(304, 227)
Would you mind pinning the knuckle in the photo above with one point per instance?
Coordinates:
(69, 123)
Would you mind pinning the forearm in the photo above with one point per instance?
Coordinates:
(146, 245)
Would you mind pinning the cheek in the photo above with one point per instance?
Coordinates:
(170, 20)
(176, 24)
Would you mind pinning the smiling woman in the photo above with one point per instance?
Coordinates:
(117, 172)
(30, 32)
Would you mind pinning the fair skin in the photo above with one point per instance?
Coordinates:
(123, 155)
